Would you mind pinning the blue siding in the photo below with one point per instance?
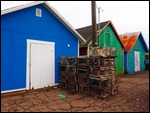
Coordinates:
(140, 47)
(125, 61)
(19, 26)
(131, 63)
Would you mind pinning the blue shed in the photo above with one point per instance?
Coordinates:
(135, 49)
(33, 36)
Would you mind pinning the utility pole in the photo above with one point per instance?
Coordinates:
(99, 18)
(94, 28)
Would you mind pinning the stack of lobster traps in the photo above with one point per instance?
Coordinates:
(93, 75)
(63, 73)
(83, 74)
(67, 74)
(103, 77)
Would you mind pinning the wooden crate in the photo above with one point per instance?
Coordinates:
(71, 60)
(63, 84)
(99, 92)
(84, 70)
(94, 81)
(84, 88)
(71, 69)
(108, 52)
(63, 76)
(113, 50)
(114, 89)
(63, 60)
(82, 60)
(103, 82)
(104, 61)
(111, 62)
(95, 90)
(111, 71)
(97, 71)
(99, 51)
(94, 60)
(63, 68)
(72, 78)
(113, 80)
(83, 79)
(72, 86)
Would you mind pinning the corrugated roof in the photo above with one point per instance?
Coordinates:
(50, 9)
(129, 39)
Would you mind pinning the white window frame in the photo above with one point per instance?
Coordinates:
(40, 10)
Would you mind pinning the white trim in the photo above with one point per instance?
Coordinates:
(78, 48)
(6, 11)
(28, 59)
(13, 90)
(40, 11)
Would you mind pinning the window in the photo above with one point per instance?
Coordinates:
(38, 12)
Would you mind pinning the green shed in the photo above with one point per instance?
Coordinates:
(107, 36)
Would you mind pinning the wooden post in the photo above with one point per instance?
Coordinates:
(94, 28)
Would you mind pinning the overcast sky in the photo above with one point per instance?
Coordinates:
(127, 16)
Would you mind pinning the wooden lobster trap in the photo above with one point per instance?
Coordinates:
(73, 87)
(113, 51)
(71, 60)
(84, 88)
(71, 69)
(104, 61)
(72, 78)
(84, 70)
(62, 69)
(63, 76)
(97, 71)
(94, 60)
(111, 71)
(63, 84)
(82, 60)
(83, 79)
(111, 62)
(103, 82)
(100, 92)
(63, 60)
(99, 51)
(114, 89)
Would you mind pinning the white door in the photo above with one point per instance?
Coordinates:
(137, 60)
(42, 65)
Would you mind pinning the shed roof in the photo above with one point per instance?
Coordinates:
(129, 40)
(50, 9)
(86, 32)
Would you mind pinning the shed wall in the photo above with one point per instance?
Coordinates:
(19, 26)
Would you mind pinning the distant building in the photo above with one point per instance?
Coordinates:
(135, 49)
(107, 36)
